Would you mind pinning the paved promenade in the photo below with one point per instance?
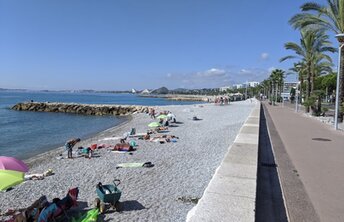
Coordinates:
(310, 159)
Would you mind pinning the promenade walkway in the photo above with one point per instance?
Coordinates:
(310, 159)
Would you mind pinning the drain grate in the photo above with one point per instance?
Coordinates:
(268, 164)
(321, 139)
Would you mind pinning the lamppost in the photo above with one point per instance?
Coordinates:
(340, 38)
(246, 91)
(297, 97)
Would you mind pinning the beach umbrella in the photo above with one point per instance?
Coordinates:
(154, 124)
(10, 163)
(162, 116)
(10, 178)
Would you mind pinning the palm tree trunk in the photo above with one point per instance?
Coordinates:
(312, 83)
(341, 84)
(276, 91)
(301, 94)
(308, 89)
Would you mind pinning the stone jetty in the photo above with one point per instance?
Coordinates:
(85, 109)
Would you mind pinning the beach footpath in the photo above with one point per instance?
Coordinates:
(179, 172)
(309, 155)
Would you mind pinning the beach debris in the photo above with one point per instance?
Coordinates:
(134, 165)
(187, 199)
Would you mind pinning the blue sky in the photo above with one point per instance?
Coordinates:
(124, 44)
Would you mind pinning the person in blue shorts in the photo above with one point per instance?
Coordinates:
(69, 146)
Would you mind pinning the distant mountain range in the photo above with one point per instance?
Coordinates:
(161, 90)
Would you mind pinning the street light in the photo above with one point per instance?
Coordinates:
(340, 38)
(297, 93)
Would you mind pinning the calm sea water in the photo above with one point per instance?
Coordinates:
(25, 134)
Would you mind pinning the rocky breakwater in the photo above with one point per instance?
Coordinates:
(85, 109)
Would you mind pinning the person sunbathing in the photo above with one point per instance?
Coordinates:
(161, 128)
(163, 138)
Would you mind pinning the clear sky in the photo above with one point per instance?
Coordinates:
(124, 44)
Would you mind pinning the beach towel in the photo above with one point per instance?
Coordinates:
(111, 138)
(134, 165)
(137, 135)
(91, 215)
(117, 151)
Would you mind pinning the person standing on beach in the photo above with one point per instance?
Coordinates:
(69, 146)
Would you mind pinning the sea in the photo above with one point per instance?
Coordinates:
(24, 134)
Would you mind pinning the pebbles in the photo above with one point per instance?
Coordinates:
(165, 192)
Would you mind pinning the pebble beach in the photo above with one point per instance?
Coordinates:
(164, 192)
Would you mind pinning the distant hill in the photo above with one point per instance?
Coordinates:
(180, 90)
(162, 90)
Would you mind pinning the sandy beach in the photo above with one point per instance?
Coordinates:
(181, 169)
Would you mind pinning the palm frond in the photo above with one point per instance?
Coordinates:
(327, 58)
(295, 47)
(287, 57)
(333, 6)
(304, 20)
(341, 15)
(312, 6)
(328, 49)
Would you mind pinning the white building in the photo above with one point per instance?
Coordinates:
(225, 88)
(253, 84)
(238, 86)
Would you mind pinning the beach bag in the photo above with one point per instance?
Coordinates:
(132, 143)
(133, 131)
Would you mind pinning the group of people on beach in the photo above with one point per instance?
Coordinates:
(164, 123)
(152, 135)
(221, 100)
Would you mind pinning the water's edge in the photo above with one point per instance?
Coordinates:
(56, 151)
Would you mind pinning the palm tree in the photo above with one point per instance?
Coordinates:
(266, 87)
(300, 69)
(313, 44)
(330, 17)
(276, 78)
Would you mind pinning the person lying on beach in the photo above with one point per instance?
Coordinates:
(30, 213)
(146, 136)
(161, 128)
(39, 176)
(69, 146)
(123, 147)
(163, 138)
(166, 137)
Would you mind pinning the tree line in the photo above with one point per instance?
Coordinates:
(311, 56)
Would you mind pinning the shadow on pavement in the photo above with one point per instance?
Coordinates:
(269, 199)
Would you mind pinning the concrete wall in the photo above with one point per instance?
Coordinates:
(231, 193)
